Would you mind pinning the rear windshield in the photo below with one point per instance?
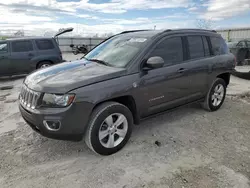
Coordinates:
(44, 44)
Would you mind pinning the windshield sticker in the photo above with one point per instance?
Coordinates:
(137, 40)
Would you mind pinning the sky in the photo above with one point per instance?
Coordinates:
(88, 17)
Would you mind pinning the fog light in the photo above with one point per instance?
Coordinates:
(52, 125)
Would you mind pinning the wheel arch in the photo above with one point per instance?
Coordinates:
(39, 62)
(129, 102)
(225, 77)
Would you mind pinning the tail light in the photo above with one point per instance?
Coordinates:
(60, 54)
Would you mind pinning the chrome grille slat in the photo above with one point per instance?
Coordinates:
(29, 97)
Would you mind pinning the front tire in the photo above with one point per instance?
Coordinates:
(109, 128)
(216, 95)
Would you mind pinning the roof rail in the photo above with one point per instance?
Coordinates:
(133, 31)
(167, 30)
(190, 30)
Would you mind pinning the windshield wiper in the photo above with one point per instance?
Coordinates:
(99, 61)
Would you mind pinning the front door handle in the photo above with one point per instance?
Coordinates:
(182, 70)
(2, 57)
(31, 55)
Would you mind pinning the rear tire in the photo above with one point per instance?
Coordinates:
(43, 64)
(215, 96)
(109, 129)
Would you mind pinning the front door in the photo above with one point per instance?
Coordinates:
(5, 68)
(169, 86)
(21, 56)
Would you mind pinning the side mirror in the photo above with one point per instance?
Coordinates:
(154, 62)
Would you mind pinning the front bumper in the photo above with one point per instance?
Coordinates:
(74, 120)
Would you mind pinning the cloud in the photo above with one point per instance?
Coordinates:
(193, 9)
(219, 10)
(122, 6)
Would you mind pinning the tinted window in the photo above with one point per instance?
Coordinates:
(248, 44)
(170, 50)
(22, 46)
(219, 46)
(195, 47)
(44, 44)
(3, 47)
(206, 47)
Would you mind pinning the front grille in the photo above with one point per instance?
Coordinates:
(28, 98)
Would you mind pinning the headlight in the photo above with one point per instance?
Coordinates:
(56, 100)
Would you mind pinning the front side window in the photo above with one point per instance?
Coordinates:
(219, 46)
(195, 45)
(170, 50)
(44, 44)
(22, 46)
(118, 51)
(3, 47)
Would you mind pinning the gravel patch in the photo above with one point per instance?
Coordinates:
(188, 147)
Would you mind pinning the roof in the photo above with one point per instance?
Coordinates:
(27, 38)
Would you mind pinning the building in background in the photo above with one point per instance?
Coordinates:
(235, 34)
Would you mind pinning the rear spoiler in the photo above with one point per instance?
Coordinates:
(64, 31)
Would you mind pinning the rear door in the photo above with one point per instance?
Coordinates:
(22, 54)
(5, 67)
(199, 62)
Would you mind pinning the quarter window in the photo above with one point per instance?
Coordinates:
(219, 46)
(44, 44)
(170, 50)
(195, 45)
(22, 46)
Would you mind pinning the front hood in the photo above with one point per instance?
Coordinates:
(64, 77)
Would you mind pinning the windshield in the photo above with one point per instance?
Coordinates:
(118, 50)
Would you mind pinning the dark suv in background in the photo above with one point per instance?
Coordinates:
(126, 78)
(23, 55)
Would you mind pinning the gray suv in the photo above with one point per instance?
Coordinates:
(21, 56)
(126, 78)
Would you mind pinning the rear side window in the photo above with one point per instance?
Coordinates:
(206, 46)
(22, 46)
(3, 47)
(44, 44)
(219, 46)
(195, 45)
(170, 50)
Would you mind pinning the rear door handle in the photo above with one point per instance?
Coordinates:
(2, 57)
(31, 55)
(181, 70)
